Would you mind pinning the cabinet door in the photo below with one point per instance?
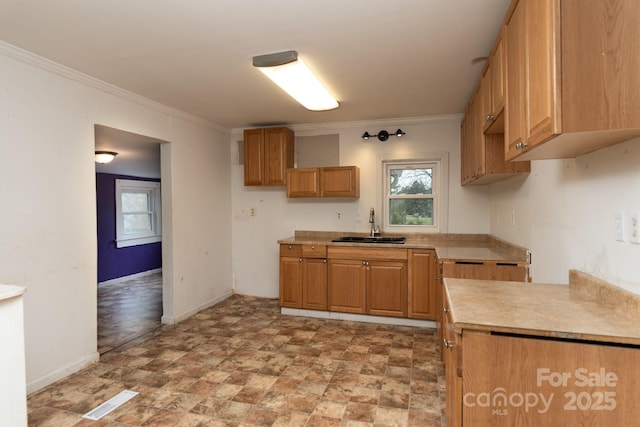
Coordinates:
(291, 282)
(386, 288)
(347, 286)
(303, 182)
(543, 48)
(515, 106)
(422, 286)
(497, 79)
(278, 155)
(314, 283)
(254, 157)
(453, 370)
(340, 181)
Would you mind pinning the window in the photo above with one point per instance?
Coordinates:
(138, 212)
(414, 195)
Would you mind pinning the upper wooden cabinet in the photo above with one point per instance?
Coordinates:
(267, 155)
(338, 181)
(573, 80)
(482, 154)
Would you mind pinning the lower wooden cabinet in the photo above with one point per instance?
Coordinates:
(347, 284)
(482, 270)
(423, 284)
(386, 287)
(291, 282)
(314, 283)
(303, 276)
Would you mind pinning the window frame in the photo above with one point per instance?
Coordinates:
(439, 193)
(152, 189)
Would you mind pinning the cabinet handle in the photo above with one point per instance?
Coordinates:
(447, 344)
(445, 309)
(324, 260)
(299, 259)
(289, 246)
(313, 248)
(490, 117)
(520, 145)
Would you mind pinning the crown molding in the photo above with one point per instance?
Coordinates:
(13, 52)
(392, 122)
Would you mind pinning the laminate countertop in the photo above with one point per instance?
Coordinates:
(456, 247)
(586, 309)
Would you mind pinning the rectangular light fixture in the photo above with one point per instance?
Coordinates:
(289, 72)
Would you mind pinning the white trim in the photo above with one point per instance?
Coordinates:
(170, 320)
(439, 157)
(332, 315)
(312, 129)
(29, 58)
(130, 276)
(54, 376)
(153, 190)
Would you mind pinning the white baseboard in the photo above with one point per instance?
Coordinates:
(332, 315)
(131, 276)
(52, 377)
(170, 320)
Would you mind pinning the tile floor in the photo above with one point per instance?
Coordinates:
(243, 363)
(127, 310)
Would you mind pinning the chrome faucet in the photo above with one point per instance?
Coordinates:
(372, 220)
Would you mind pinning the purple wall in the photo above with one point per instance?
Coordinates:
(116, 262)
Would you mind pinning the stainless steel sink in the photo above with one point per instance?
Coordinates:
(367, 239)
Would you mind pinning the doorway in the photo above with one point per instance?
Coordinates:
(129, 282)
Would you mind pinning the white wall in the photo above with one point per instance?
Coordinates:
(48, 215)
(255, 251)
(564, 212)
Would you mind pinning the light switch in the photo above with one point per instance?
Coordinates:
(634, 227)
(619, 226)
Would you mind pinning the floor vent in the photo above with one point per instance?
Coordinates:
(111, 404)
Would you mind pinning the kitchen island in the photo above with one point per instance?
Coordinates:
(541, 354)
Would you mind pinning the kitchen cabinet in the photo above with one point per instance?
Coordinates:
(452, 356)
(368, 280)
(480, 270)
(504, 347)
(423, 281)
(291, 276)
(572, 78)
(267, 155)
(336, 181)
(303, 182)
(482, 154)
(303, 276)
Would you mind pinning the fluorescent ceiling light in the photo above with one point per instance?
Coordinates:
(289, 72)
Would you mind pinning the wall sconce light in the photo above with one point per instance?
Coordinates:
(105, 156)
(289, 72)
(383, 135)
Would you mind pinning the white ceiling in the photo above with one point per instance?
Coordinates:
(380, 58)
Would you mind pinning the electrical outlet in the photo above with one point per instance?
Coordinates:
(359, 215)
(634, 227)
(253, 212)
(619, 226)
(339, 215)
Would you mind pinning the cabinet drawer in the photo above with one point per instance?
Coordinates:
(290, 250)
(314, 251)
(508, 271)
(369, 253)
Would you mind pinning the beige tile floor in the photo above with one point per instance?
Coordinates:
(242, 363)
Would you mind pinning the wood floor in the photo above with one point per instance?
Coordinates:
(128, 310)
